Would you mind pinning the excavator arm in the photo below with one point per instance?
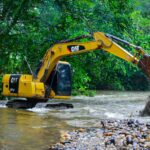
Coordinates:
(100, 42)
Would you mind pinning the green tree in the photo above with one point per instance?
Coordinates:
(28, 28)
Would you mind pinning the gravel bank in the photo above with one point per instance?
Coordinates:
(111, 135)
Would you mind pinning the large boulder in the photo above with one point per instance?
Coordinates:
(146, 110)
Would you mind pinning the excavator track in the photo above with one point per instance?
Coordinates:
(26, 104)
(20, 104)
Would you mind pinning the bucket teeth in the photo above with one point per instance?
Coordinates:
(144, 64)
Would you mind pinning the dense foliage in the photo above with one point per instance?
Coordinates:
(28, 28)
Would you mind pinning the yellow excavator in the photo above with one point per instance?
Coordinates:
(52, 78)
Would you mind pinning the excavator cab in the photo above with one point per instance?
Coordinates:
(60, 80)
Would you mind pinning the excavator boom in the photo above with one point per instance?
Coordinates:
(101, 41)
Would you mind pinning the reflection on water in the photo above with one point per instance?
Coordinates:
(25, 130)
(37, 128)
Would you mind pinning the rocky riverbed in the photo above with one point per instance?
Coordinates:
(110, 135)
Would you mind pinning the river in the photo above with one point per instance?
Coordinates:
(37, 128)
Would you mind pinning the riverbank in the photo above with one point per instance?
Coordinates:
(111, 134)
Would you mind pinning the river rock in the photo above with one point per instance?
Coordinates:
(113, 135)
(123, 148)
(57, 146)
(111, 147)
(135, 146)
(148, 124)
(64, 137)
(148, 138)
(146, 110)
(147, 145)
(130, 146)
(81, 130)
(108, 134)
(142, 140)
(144, 135)
(119, 142)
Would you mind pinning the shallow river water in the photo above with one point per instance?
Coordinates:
(37, 128)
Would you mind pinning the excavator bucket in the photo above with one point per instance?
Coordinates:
(144, 64)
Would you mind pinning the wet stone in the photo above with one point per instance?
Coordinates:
(148, 125)
(147, 145)
(112, 140)
(123, 148)
(148, 138)
(144, 136)
(108, 134)
(129, 139)
(135, 145)
(130, 122)
(113, 134)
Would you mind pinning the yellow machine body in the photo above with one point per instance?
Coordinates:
(18, 85)
(24, 86)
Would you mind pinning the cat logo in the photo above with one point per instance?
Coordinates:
(75, 48)
(14, 83)
(14, 79)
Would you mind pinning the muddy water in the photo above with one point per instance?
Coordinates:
(26, 130)
(37, 128)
